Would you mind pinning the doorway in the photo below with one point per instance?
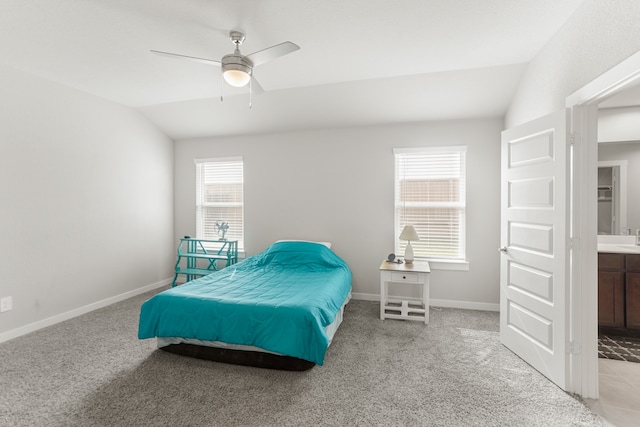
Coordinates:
(584, 283)
(617, 221)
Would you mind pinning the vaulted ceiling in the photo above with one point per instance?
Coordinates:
(361, 61)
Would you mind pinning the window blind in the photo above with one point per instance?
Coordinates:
(430, 195)
(219, 198)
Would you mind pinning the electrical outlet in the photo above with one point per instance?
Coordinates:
(6, 304)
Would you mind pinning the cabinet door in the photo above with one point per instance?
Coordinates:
(633, 263)
(611, 298)
(633, 300)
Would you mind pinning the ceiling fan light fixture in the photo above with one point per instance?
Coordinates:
(236, 78)
(236, 70)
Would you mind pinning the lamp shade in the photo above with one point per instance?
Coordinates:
(409, 233)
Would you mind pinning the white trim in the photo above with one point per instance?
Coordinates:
(218, 159)
(365, 297)
(49, 321)
(584, 258)
(622, 76)
(448, 264)
(441, 148)
(465, 305)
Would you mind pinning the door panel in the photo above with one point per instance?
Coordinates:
(533, 277)
(536, 282)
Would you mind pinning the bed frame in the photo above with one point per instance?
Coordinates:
(249, 357)
(240, 357)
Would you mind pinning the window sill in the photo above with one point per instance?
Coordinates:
(447, 264)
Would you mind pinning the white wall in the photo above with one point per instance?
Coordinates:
(619, 124)
(629, 151)
(337, 185)
(600, 34)
(86, 191)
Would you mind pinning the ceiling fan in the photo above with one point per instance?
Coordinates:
(237, 69)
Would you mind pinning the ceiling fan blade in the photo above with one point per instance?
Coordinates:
(255, 86)
(273, 52)
(192, 58)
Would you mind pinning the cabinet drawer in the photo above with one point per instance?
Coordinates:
(610, 261)
(404, 277)
(633, 263)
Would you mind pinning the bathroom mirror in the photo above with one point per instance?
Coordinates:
(618, 187)
(619, 158)
(611, 209)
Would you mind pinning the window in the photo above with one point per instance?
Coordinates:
(430, 195)
(219, 198)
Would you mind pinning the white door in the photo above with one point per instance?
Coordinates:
(534, 285)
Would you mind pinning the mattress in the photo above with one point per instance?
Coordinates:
(283, 301)
(330, 330)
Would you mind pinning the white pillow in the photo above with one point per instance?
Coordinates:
(327, 244)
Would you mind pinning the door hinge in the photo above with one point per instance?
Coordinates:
(574, 243)
(574, 347)
(574, 138)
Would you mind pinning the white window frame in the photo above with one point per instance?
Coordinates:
(199, 163)
(446, 263)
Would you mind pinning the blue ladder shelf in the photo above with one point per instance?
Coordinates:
(210, 251)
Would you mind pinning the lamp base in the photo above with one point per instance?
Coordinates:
(408, 254)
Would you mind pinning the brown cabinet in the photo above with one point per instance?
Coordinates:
(611, 299)
(633, 300)
(619, 291)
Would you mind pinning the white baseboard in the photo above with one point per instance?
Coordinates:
(467, 305)
(32, 327)
(365, 297)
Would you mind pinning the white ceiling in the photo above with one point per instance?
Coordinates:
(361, 61)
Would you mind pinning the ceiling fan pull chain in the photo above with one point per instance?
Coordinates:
(221, 86)
(250, 91)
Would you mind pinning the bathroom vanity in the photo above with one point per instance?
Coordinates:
(619, 288)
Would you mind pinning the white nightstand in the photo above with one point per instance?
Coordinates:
(416, 274)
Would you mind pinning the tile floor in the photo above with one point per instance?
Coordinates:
(619, 403)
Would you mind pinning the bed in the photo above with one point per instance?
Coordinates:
(278, 309)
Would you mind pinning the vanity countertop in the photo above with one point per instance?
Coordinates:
(618, 244)
(618, 249)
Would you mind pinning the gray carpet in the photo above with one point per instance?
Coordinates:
(92, 371)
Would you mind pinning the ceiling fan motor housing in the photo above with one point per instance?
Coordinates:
(236, 61)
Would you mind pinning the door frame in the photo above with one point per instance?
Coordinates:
(583, 238)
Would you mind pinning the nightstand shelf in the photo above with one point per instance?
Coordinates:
(209, 252)
(406, 308)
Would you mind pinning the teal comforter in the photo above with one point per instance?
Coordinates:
(280, 300)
